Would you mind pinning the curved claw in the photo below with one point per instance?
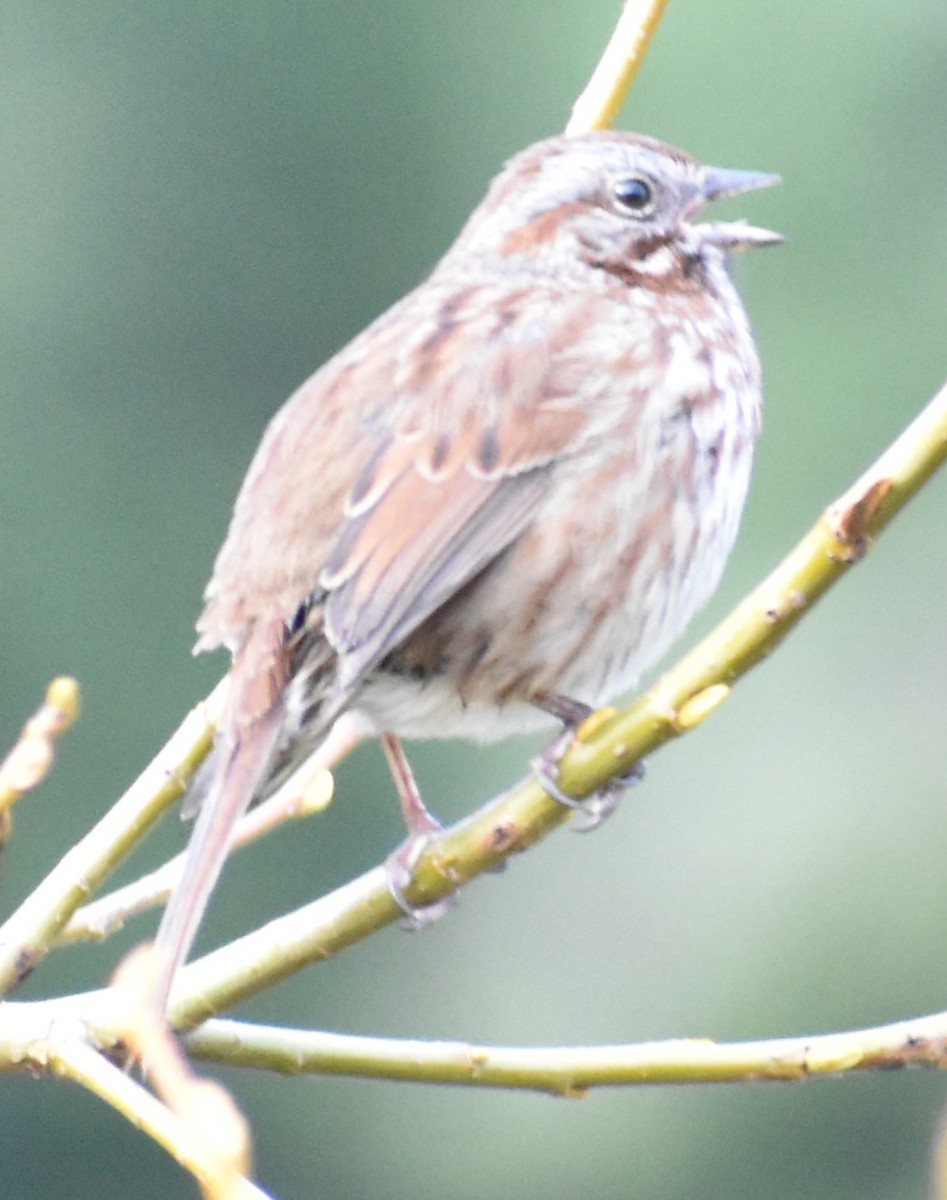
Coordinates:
(591, 810)
(399, 868)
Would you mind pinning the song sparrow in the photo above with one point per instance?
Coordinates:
(505, 498)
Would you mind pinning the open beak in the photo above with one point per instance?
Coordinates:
(719, 183)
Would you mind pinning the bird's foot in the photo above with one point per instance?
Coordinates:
(399, 868)
(591, 810)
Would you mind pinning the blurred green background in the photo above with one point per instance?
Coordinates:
(200, 203)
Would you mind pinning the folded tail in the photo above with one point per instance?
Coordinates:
(250, 729)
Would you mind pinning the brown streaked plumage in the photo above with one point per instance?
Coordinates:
(518, 484)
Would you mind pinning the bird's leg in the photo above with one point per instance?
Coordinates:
(421, 828)
(420, 822)
(592, 809)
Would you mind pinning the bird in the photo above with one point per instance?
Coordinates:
(500, 503)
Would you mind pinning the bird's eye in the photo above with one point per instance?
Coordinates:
(635, 195)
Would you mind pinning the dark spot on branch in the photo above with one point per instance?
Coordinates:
(853, 526)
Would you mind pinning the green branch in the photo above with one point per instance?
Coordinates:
(572, 1070)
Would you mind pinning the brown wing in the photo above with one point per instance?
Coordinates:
(450, 483)
(406, 465)
(417, 546)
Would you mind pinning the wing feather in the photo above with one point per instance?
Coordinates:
(397, 474)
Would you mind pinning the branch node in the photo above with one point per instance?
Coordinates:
(699, 707)
(852, 520)
(30, 760)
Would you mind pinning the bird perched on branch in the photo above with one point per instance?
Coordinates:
(504, 499)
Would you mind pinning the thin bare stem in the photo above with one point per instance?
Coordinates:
(604, 94)
(73, 1058)
(572, 1070)
(29, 761)
(27, 935)
(100, 918)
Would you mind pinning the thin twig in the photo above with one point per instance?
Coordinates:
(27, 935)
(604, 94)
(100, 918)
(217, 1136)
(572, 1070)
(29, 761)
(73, 1058)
